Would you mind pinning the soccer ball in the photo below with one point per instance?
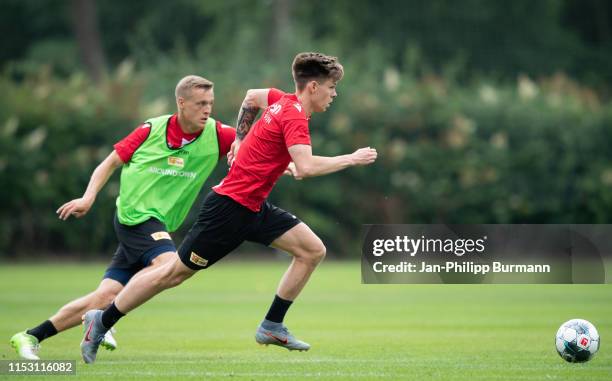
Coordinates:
(577, 340)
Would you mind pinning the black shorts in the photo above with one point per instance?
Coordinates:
(223, 224)
(138, 246)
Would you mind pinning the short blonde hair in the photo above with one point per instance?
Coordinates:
(190, 82)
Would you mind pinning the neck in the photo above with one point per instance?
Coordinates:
(305, 101)
(185, 126)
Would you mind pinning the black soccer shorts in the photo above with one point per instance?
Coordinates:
(138, 246)
(223, 224)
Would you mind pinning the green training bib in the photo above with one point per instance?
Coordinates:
(162, 182)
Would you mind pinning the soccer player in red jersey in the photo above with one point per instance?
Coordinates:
(237, 210)
(189, 140)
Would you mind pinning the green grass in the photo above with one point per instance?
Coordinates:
(204, 329)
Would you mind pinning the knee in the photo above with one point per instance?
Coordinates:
(320, 253)
(164, 278)
(170, 277)
(176, 279)
(104, 297)
(314, 253)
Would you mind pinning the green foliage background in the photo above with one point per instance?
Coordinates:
(482, 112)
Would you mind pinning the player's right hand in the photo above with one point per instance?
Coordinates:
(364, 156)
(77, 207)
(231, 155)
(292, 171)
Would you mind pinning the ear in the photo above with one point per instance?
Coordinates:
(180, 102)
(312, 86)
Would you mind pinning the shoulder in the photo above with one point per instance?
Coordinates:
(127, 146)
(159, 119)
(225, 136)
(274, 95)
(140, 133)
(225, 131)
(160, 122)
(291, 109)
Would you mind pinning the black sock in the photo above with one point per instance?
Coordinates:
(111, 315)
(45, 330)
(278, 309)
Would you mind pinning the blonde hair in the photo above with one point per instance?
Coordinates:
(190, 82)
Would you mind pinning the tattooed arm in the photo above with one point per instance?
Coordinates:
(254, 100)
(245, 120)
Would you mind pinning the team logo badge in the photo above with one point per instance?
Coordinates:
(197, 260)
(176, 161)
(160, 235)
(275, 108)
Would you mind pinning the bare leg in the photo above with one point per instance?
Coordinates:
(307, 250)
(147, 285)
(70, 314)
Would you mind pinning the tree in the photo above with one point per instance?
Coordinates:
(87, 34)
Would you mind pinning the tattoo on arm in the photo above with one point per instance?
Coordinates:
(246, 117)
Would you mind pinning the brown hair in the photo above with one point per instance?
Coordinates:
(190, 82)
(318, 67)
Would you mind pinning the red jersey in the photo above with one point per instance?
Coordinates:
(274, 95)
(175, 137)
(264, 154)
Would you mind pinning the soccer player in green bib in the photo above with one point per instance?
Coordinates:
(165, 161)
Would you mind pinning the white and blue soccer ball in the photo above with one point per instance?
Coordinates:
(577, 340)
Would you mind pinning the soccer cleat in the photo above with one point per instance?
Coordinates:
(94, 334)
(26, 345)
(280, 336)
(109, 343)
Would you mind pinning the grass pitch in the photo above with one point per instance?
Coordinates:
(204, 329)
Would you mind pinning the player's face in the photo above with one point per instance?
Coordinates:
(197, 108)
(323, 95)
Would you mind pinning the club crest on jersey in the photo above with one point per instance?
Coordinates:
(176, 161)
(275, 108)
(197, 260)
